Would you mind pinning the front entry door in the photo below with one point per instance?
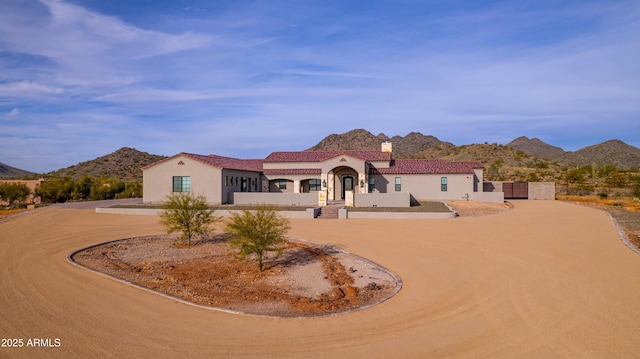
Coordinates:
(347, 184)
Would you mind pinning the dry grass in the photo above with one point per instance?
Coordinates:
(628, 203)
(8, 212)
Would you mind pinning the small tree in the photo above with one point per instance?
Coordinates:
(188, 214)
(257, 232)
(14, 192)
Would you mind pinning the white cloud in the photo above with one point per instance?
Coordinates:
(488, 73)
(27, 89)
(87, 47)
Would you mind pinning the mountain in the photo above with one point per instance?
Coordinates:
(521, 152)
(536, 148)
(360, 139)
(613, 152)
(8, 172)
(124, 164)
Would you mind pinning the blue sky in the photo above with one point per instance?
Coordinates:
(81, 78)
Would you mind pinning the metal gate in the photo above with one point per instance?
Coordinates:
(515, 190)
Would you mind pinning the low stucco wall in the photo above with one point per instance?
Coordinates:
(495, 197)
(400, 199)
(536, 190)
(309, 213)
(399, 215)
(281, 199)
(542, 190)
(130, 211)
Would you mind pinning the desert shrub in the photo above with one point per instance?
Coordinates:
(257, 232)
(493, 172)
(541, 164)
(603, 195)
(187, 214)
(63, 189)
(580, 189)
(13, 192)
(635, 186)
(606, 170)
(617, 180)
(575, 175)
(131, 190)
(533, 177)
(56, 189)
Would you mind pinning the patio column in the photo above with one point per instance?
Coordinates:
(362, 183)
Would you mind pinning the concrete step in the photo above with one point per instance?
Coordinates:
(329, 212)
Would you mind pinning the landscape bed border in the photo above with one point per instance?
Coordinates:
(300, 211)
(396, 278)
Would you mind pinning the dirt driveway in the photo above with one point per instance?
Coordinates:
(545, 280)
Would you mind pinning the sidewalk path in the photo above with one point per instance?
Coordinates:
(546, 280)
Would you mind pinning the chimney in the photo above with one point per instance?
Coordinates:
(386, 146)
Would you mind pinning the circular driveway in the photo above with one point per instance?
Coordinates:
(545, 280)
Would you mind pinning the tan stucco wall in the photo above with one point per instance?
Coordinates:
(346, 161)
(210, 181)
(427, 187)
(226, 192)
(542, 190)
(304, 182)
(536, 190)
(328, 165)
(32, 184)
(158, 179)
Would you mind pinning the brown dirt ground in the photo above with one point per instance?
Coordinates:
(629, 221)
(305, 280)
(548, 279)
(475, 209)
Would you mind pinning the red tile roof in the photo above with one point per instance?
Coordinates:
(220, 162)
(293, 171)
(232, 163)
(319, 156)
(418, 166)
(400, 166)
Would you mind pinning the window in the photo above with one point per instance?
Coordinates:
(398, 184)
(226, 181)
(243, 184)
(443, 184)
(282, 184)
(372, 184)
(314, 184)
(181, 184)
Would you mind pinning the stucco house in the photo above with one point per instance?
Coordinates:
(360, 178)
